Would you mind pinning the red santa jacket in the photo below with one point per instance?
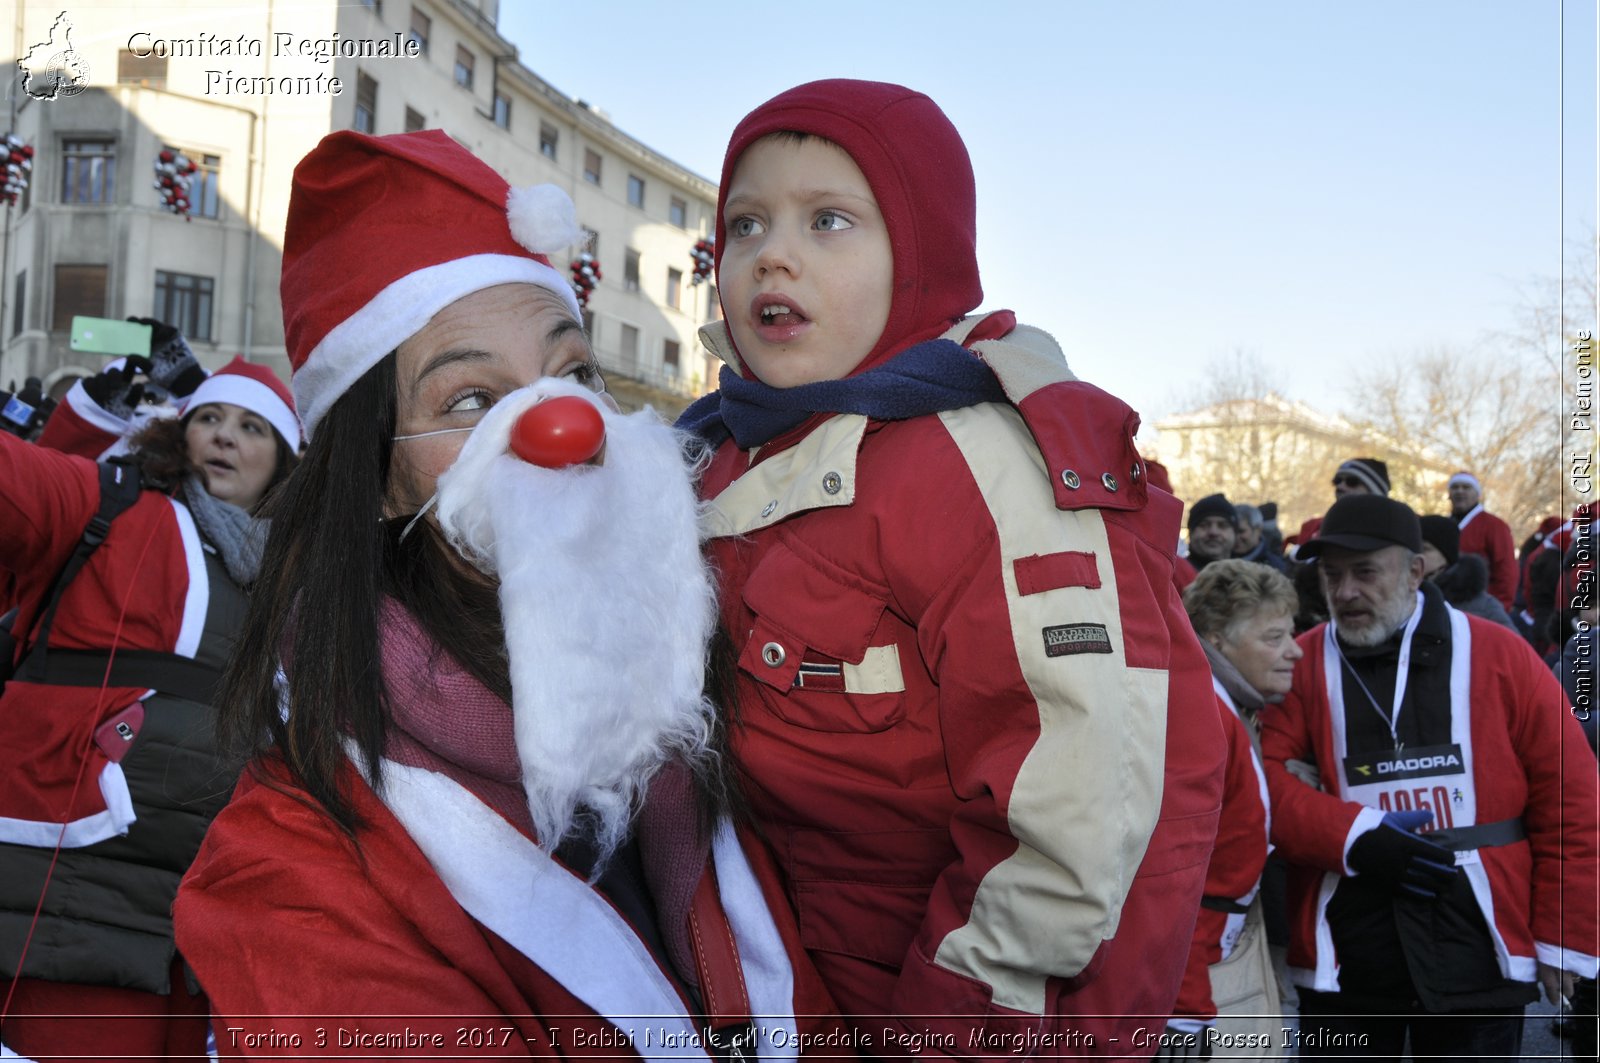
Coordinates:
(1234, 873)
(1524, 756)
(442, 931)
(145, 588)
(1487, 535)
(975, 722)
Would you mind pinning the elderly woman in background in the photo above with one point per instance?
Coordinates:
(1244, 615)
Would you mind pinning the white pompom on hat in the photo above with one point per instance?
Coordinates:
(255, 388)
(384, 232)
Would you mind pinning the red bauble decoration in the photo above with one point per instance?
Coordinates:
(558, 432)
(704, 255)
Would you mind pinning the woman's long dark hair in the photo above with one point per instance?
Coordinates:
(330, 559)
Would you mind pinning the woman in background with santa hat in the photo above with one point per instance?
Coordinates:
(109, 774)
(487, 811)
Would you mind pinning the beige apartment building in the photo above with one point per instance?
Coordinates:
(244, 91)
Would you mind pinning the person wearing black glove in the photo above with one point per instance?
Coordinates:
(1414, 714)
(118, 390)
(1394, 853)
(173, 366)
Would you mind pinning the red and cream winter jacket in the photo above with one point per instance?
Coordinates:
(973, 719)
(443, 931)
(1522, 756)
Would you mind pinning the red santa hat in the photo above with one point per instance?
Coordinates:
(257, 389)
(384, 232)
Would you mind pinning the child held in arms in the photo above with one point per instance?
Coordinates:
(975, 723)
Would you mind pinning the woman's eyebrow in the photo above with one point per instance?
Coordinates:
(447, 358)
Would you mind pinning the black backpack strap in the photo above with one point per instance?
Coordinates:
(168, 673)
(119, 489)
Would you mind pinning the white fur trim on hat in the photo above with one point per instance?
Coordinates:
(542, 218)
(399, 312)
(254, 396)
(1466, 478)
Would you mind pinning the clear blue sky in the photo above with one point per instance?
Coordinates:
(1324, 184)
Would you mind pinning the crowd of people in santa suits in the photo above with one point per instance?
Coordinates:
(1433, 944)
(970, 762)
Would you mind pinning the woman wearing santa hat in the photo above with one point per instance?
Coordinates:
(486, 810)
(109, 771)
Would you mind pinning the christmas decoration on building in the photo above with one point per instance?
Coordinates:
(173, 174)
(705, 256)
(585, 275)
(16, 162)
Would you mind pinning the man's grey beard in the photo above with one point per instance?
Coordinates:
(1389, 617)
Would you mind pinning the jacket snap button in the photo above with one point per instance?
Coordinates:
(1070, 478)
(1136, 471)
(773, 654)
(770, 508)
(1109, 481)
(832, 482)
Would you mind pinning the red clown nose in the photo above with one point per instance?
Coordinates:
(558, 432)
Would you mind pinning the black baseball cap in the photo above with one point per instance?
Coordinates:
(1365, 523)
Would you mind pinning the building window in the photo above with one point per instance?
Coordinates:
(18, 293)
(415, 123)
(149, 70)
(591, 166)
(204, 200)
(636, 191)
(630, 271)
(366, 104)
(79, 290)
(674, 288)
(589, 326)
(184, 301)
(630, 346)
(669, 355)
(502, 110)
(549, 136)
(89, 171)
(421, 26)
(591, 242)
(678, 213)
(465, 61)
(375, 6)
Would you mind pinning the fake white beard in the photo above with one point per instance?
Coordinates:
(608, 608)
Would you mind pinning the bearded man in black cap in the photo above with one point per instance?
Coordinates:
(1456, 808)
(1213, 527)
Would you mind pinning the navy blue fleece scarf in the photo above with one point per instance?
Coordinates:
(927, 378)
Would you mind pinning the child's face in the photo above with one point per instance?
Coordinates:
(807, 273)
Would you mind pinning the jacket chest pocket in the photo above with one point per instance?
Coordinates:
(811, 647)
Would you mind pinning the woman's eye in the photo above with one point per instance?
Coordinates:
(744, 226)
(828, 221)
(470, 402)
(587, 374)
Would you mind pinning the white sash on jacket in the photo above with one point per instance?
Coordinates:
(574, 935)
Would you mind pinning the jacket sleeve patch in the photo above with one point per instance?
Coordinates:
(1048, 572)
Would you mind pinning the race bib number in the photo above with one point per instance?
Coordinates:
(1426, 778)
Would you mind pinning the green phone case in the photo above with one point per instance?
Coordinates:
(104, 335)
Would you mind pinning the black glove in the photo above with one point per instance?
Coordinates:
(175, 367)
(1411, 865)
(114, 390)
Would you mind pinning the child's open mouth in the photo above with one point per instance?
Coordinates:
(778, 318)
